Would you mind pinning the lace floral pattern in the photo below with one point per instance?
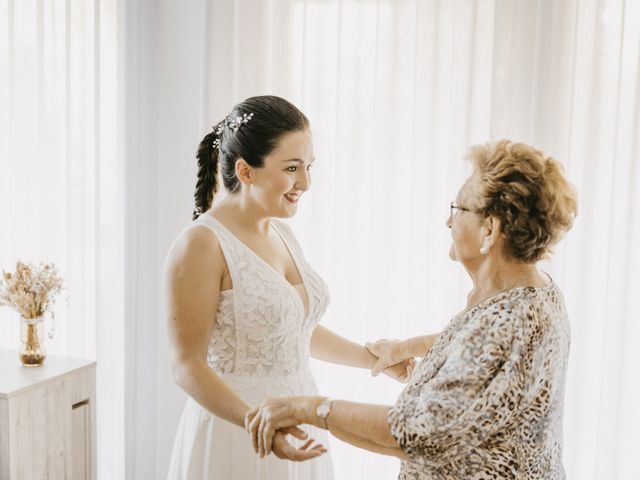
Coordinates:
(260, 326)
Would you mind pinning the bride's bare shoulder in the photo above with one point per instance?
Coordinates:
(198, 244)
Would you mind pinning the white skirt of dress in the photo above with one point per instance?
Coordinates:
(207, 447)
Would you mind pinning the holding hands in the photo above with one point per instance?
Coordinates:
(393, 359)
(395, 353)
(284, 450)
(269, 423)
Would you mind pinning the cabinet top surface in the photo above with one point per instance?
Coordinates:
(14, 377)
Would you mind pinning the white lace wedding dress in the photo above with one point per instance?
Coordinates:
(260, 347)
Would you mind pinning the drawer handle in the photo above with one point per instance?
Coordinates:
(80, 404)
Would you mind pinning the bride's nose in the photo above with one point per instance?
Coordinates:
(304, 181)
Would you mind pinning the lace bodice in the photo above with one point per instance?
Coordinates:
(261, 328)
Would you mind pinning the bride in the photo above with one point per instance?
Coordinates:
(243, 304)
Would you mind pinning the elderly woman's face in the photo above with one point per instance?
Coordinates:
(465, 224)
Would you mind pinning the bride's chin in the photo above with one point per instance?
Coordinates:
(289, 210)
(283, 213)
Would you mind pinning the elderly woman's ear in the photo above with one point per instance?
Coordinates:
(491, 234)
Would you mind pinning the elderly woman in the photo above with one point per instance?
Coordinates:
(486, 401)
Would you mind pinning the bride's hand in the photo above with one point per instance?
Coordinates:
(390, 353)
(283, 449)
(264, 421)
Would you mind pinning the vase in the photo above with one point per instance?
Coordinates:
(32, 352)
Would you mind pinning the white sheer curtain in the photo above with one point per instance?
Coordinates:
(60, 194)
(396, 92)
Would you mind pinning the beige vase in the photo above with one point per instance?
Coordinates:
(32, 352)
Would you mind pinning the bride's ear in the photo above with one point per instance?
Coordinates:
(244, 171)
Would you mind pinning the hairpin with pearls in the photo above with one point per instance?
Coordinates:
(233, 123)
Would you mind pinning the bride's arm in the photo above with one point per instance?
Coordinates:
(193, 272)
(331, 347)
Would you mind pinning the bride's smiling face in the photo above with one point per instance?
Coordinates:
(278, 185)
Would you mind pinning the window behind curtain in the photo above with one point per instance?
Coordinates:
(60, 200)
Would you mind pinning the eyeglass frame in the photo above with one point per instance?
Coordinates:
(453, 206)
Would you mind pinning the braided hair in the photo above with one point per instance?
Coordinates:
(251, 132)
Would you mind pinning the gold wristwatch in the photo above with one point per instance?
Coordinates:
(322, 412)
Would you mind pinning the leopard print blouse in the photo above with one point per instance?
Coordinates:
(486, 402)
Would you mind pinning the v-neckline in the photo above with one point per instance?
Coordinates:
(306, 311)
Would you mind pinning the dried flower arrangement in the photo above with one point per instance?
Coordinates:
(31, 291)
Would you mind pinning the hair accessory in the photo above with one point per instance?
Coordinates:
(236, 123)
(233, 123)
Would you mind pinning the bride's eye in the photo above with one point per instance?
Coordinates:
(292, 169)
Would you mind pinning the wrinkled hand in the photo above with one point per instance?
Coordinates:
(264, 421)
(392, 355)
(400, 371)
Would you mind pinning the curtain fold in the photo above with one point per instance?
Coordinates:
(60, 194)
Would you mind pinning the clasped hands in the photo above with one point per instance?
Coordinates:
(269, 423)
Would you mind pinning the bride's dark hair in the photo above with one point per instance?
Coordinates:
(270, 118)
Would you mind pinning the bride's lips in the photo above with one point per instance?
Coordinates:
(292, 197)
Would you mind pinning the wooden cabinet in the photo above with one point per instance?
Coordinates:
(47, 419)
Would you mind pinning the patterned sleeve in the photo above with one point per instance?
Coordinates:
(475, 392)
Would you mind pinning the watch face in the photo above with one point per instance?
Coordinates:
(323, 409)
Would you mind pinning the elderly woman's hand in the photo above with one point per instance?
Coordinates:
(264, 421)
(393, 356)
(400, 371)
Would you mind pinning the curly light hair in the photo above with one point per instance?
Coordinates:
(528, 192)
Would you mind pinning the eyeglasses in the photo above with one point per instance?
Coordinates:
(453, 207)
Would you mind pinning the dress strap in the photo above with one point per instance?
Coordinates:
(212, 224)
(287, 233)
(233, 255)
